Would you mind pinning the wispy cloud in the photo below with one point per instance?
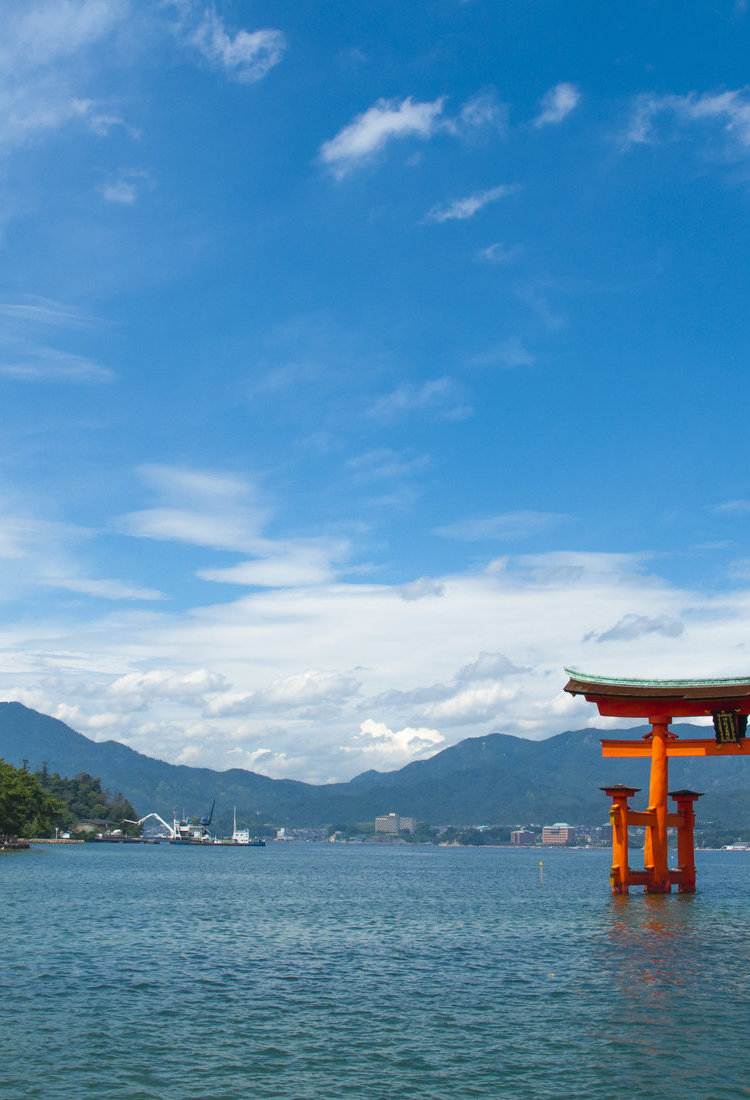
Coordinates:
(312, 688)
(46, 554)
(293, 563)
(500, 253)
(461, 209)
(734, 507)
(225, 512)
(103, 588)
(44, 311)
(437, 394)
(41, 79)
(511, 353)
(475, 694)
(507, 526)
(481, 114)
(203, 508)
(246, 56)
(125, 188)
(557, 104)
(387, 120)
(396, 119)
(423, 588)
(40, 32)
(631, 627)
(50, 365)
(386, 464)
(730, 110)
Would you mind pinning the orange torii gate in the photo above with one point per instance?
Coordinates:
(661, 701)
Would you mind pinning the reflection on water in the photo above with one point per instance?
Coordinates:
(651, 936)
(297, 972)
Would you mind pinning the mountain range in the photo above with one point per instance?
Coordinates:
(494, 779)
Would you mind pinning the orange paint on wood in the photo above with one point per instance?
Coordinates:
(700, 746)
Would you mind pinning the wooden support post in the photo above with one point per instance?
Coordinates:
(619, 875)
(685, 874)
(656, 851)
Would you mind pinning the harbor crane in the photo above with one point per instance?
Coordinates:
(171, 833)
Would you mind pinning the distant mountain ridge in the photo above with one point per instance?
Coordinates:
(494, 779)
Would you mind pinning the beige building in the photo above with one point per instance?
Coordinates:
(394, 824)
(560, 834)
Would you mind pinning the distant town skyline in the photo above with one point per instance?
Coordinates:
(363, 365)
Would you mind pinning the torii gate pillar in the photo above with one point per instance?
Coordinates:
(727, 701)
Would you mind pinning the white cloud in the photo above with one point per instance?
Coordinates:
(393, 119)
(385, 464)
(739, 570)
(422, 589)
(37, 34)
(557, 104)
(509, 525)
(47, 555)
(488, 666)
(191, 688)
(395, 747)
(728, 109)
(121, 191)
(458, 701)
(311, 688)
(21, 536)
(481, 113)
(293, 564)
(488, 654)
(461, 209)
(576, 567)
(224, 512)
(103, 588)
(126, 187)
(43, 51)
(437, 395)
(79, 719)
(511, 353)
(474, 704)
(499, 253)
(386, 121)
(631, 627)
(221, 530)
(36, 310)
(734, 507)
(202, 508)
(40, 364)
(246, 57)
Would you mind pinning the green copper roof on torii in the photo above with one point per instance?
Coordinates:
(587, 678)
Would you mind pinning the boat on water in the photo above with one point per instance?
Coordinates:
(240, 837)
(188, 831)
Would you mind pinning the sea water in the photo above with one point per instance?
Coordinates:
(324, 971)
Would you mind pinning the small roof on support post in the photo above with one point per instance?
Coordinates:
(623, 698)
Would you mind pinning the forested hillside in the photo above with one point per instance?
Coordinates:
(496, 779)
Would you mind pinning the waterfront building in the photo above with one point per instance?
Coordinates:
(560, 833)
(394, 824)
(522, 837)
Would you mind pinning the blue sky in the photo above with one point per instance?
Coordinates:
(363, 364)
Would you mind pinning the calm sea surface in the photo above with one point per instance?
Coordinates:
(326, 971)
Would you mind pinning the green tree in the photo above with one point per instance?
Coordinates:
(26, 809)
(84, 799)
